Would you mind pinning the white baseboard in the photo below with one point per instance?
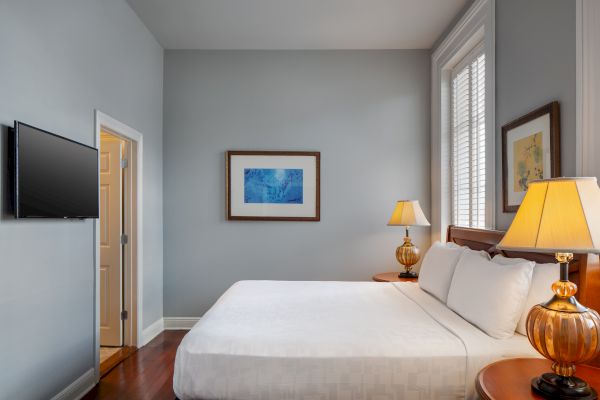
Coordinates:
(79, 387)
(185, 323)
(153, 331)
(167, 323)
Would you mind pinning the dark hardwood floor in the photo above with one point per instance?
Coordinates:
(146, 375)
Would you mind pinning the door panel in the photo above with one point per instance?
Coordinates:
(104, 212)
(111, 209)
(104, 297)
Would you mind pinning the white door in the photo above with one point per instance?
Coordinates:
(111, 228)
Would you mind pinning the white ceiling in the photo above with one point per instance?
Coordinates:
(297, 24)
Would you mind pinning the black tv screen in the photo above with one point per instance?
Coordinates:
(54, 177)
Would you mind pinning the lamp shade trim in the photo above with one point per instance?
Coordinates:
(547, 250)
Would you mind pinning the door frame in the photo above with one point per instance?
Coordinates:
(133, 254)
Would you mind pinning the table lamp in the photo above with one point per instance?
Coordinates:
(560, 216)
(408, 213)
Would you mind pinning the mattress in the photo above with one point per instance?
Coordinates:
(277, 340)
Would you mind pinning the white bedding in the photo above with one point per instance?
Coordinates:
(277, 340)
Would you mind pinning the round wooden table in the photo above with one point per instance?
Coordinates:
(391, 277)
(511, 379)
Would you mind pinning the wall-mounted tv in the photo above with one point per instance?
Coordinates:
(53, 177)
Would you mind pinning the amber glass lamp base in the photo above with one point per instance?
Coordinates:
(567, 333)
(553, 386)
(408, 255)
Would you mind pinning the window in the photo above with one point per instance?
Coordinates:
(463, 167)
(468, 141)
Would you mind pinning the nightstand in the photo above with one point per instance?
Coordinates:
(511, 379)
(392, 277)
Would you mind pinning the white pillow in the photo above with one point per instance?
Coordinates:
(438, 266)
(489, 295)
(544, 275)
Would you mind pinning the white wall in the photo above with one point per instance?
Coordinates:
(59, 61)
(367, 112)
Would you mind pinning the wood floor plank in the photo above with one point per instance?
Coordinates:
(145, 375)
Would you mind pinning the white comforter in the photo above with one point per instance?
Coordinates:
(275, 340)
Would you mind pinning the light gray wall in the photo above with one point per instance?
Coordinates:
(535, 64)
(367, 112)
(60, 60)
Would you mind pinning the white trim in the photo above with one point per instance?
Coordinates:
(578, 87)
(152, 331)
(104, 121)
(587, 88)
(79, 387)
(176, 323)
(464, 25)
(478, 23)
(473, 53)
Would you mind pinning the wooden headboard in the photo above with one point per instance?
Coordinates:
(584, 270)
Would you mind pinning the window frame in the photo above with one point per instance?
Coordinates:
(477, 24)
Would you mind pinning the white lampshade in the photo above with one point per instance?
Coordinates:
(408, 213)
(559, 215)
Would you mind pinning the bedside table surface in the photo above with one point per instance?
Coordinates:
(391, 277)
(511, 379)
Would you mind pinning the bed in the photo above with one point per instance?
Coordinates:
(341, 340)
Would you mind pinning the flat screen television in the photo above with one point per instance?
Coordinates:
(53, 177)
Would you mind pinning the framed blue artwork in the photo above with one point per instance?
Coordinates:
(273, 185)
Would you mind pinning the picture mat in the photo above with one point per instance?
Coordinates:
(309, 182)
(540, 124)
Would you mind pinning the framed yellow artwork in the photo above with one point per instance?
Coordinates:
(530, 151)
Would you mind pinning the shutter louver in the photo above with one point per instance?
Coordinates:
(468, 143)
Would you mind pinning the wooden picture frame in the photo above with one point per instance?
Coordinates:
(273, 185)
(530, 150)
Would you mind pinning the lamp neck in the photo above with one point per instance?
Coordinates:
(564, 271)
(406, 228)
(564, 259)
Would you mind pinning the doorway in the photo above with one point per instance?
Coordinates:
(113, 159)
(118, 249)
(112, 155)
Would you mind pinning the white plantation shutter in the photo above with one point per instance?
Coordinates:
(468, 141)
